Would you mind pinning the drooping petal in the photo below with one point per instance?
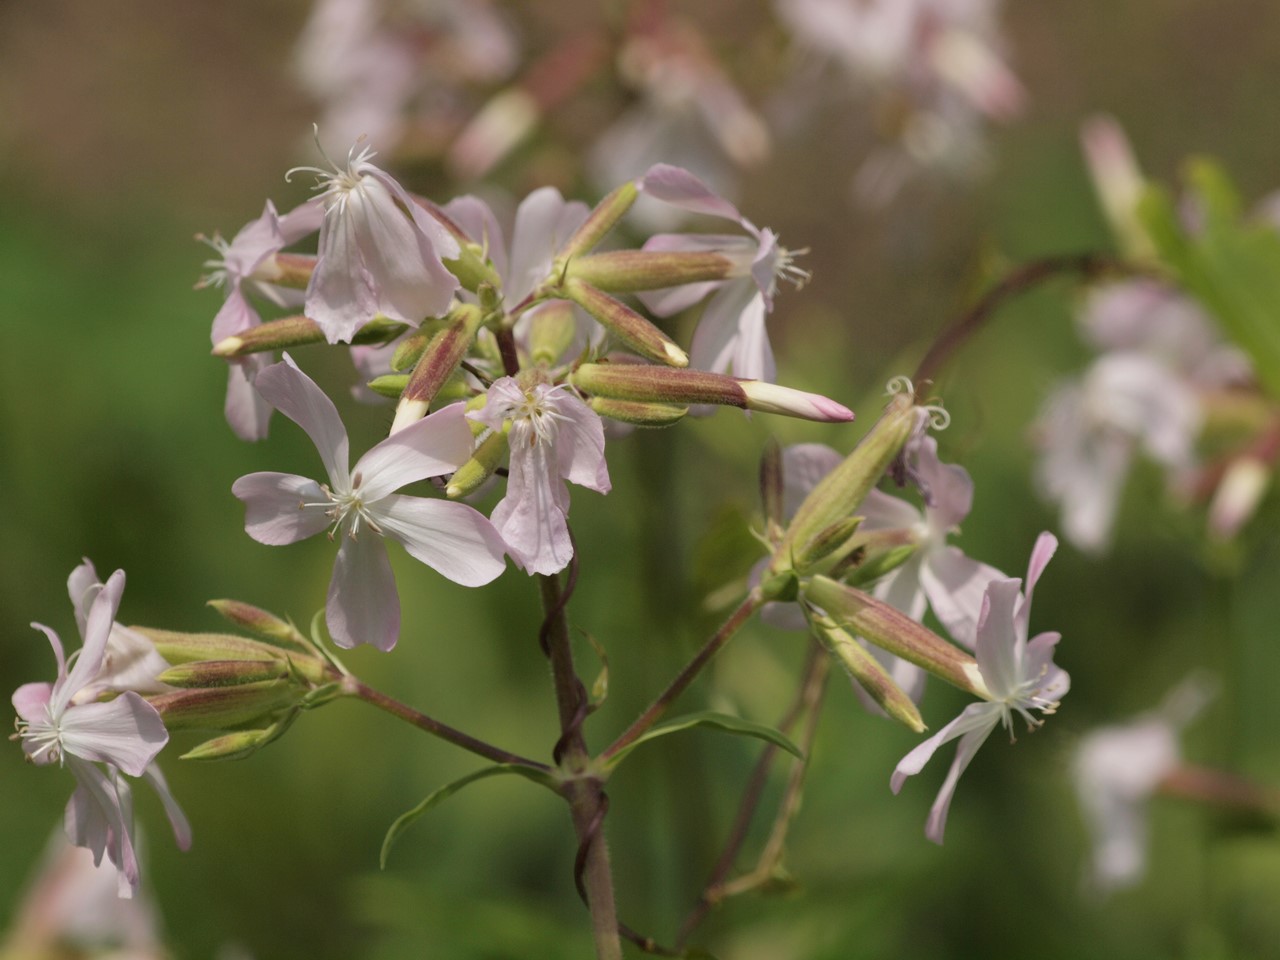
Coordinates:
(236, 315)
(753, 354)
(947, 487)
(434, 445)
(998, 646)
(936, 825)
(530, 517)
(126, 732)
(341, 297)
(131, 663)
(177, 819)
(247, 413)
(715, 340)
(100, 818)
(296, 395)
(255, 241)
(281, 508)
(363, 606)
(303, 219)
(1054, 682)
(82, 586)
(976, 716)
(451, 538)
(955, 585)
(579, 445)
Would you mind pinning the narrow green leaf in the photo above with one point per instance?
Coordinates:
(723, 722)
(409, 817)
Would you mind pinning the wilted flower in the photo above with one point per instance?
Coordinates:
(553, 437)
(1019, 675)
(123, 734)
(731, 333)
(380, 252)
(282, 508)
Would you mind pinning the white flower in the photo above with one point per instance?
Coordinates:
(1019, 675)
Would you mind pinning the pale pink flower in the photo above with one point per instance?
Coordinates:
(247, 264)
(451, 538)
(1117, 769)
(1018, 674)
(380, 252)
(731, 334)
(124, 735)
(554, 437)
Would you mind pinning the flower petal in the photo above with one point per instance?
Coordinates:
(680, 188)
(947, 488)
(434, 445)
(968, 746)
(126, 732)
(97, 631)
(451, 538)
(30, 701)
(296, 395)
(531, 517)
(340, 295)
(247, 413)
(997, 644)
(955, 586)
(100, 816)
(363, 606)
(281, 508)
(976, 716)
(82, 586)
(177, 819)
(579, 445)
(544, 223)
(803, 465)
(476, 219)
(716, 338)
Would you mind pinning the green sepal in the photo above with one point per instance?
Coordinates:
(409, 817)
(724, 722)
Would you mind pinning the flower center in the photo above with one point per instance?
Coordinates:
(346, 508)
(536, 414)
(45, 734)
(336, 184)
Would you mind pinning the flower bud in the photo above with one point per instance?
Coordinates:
(488, 455)
(599, 222)
(841, 491)
(291, 270)
(867, 672)
(772, 398)
(638, 413)
(188, 647)
(630, 271)
(298, 331)
(222, 708)
(389, 385)
(264, 624)
(223, 673)
(1241, 489)
(439, 360)
(237, 746)
(894, 631)
(877, 562)
(410, 349)
(630, 327)
(828, 546)
(552, 328)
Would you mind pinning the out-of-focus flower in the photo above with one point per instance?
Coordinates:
(395, 70)
(689, 113)
(246, 264)
(70, 904)
(554, 437)
(1019, 675)
(380, 252)
(1118, 768)
(123, 734)
(451, 538)
(731, 334)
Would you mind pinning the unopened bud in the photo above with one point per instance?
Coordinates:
(437, 364)
(638, 413)
(877, 562)
(1241, 489)
(601, 220)
(488, 455)
(410, 349)
(223, 673)
(841, 492)
(237, 746)
(292, 270)
(891, 630)
(299, 331)
(178, 647)
(867, 672)
(772, 398)
(471, 268)
(221, 708)
(630, 327)
(828, 546)
(262, 623)
(552, 327)
(389, 385)
(630, 271)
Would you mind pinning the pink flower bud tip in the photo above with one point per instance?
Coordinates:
(771, 398)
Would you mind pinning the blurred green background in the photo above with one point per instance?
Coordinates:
(127, 128)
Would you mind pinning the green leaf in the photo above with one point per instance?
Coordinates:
(409, 817)
(723, 722)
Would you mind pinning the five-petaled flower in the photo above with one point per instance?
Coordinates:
(731, 334)
(1018, 674)
(451, 538)
(553, 437)
(124, 735)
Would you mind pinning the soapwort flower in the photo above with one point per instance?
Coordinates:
(451, 538)
(554, 437)
(380, 252)
(247, 263)
(56, 725)
(1018, 674)
(731, 333)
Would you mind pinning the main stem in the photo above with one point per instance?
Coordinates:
(587, 803)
